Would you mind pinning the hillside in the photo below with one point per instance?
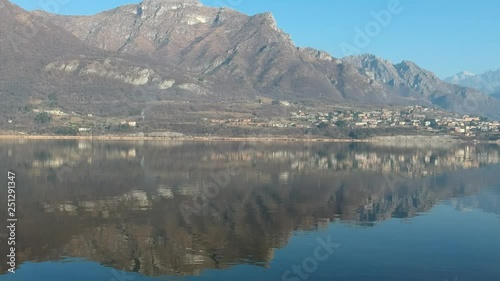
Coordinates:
(177, 60)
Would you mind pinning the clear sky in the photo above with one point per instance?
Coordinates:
(444, 36)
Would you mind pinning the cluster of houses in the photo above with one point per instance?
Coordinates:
(417, 117)
(58, 112)
(54, 112)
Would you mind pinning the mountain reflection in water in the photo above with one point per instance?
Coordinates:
(121, 204)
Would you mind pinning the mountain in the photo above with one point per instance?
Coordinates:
(147, 55)
(488, 82)
(409, 80)
(27, 45)
(33, 52)
(459, 77)
(245, 53)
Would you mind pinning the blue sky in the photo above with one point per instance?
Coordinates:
(445, 36)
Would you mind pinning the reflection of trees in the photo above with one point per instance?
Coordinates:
(118, 203)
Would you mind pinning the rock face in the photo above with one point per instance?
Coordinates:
(183, 47)
(488, 82)
(111, 69)
(405, 76)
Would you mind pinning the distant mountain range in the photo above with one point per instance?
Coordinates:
(114, 62)
(488, 82)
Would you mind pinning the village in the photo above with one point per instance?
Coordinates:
(418, 118)
(353, 122)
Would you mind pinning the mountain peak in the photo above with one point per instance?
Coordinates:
(168, 4)
(368, 58)
(467, 73)
(461, 76)
(267, 17)
(171, 2)
(409, 63)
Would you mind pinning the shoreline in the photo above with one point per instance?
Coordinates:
(135, 138)
(378, 139)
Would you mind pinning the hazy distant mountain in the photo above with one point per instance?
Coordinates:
(464, 75)
(488, 82)
(112, 62)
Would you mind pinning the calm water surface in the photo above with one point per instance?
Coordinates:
(144, 211)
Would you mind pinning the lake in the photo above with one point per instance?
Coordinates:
(145, 211)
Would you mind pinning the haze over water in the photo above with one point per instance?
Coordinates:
(132, 211)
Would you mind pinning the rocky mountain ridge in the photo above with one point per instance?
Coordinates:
(410, 80)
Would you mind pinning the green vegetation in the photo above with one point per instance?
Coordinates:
(66, 131)
(52, 99)
(359, 134)
(43, 118)
(341, 124)
(25, 109)
(322, 125)
(124, 127)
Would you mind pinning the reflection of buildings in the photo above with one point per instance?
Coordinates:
(55, 162)
(121, 154)
(323, 223)
(412, 164)
(134, 200)
(409, 163)
(165, 191)
(419, 163)
(118, 212)
(284, 177)
(84, 145)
